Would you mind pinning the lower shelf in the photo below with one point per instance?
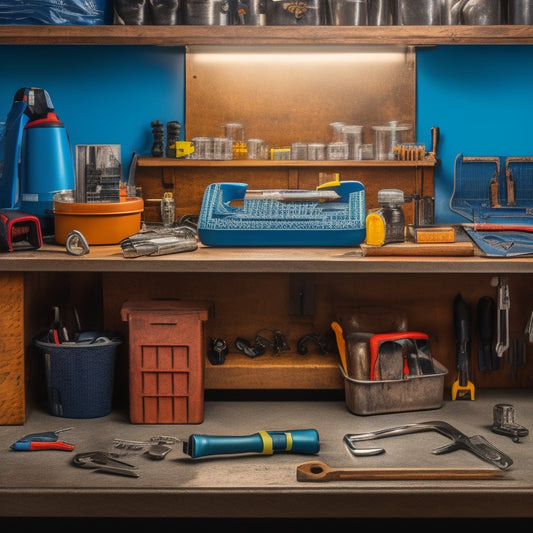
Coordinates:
(284, 371)
(46, 484)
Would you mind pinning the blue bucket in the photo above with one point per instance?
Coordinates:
(80, 377)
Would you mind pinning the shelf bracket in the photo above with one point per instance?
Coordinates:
(301, 294)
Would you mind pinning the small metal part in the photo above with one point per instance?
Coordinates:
(320, 341)
(504, 422)
(76, 243)
(104, 462)
(361, 452)
(218, 349)
(158, 451)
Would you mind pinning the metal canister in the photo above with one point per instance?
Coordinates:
(207, 12)
(168, 209)
(416, 12)
(379, 12)
(386, 224)
(451, 12)
(348, 12)
(482, 13)
(248, 12)
(520, 12)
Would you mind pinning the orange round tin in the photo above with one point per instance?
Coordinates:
(99, 223)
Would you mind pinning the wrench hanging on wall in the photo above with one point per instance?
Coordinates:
(502, 324)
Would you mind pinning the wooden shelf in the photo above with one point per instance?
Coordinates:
(310, 371)
(266, 35)
(243, 163)
(259, 260)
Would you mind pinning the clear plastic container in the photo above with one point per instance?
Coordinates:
(389, 136)
(222, 149)
(257, 149)
(353, 135)
(299, 151)
(336, 133)
(203, 148)
(234, 131)
(316, 151)
(338, 150)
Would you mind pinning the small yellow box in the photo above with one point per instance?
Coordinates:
(278, 154)
(432, 234)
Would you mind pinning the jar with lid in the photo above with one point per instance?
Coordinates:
(386, 224)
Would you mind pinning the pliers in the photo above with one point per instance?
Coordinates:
(42, 441)
(57, 333)
(104, 462)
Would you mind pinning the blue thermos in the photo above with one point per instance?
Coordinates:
(38, 160)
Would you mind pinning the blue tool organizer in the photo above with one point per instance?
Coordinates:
(273, 222)
(505, 230)
(472, 177)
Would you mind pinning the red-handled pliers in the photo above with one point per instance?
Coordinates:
(42, 441)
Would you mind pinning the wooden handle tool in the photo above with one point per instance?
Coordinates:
(341, 344)
(319, 471)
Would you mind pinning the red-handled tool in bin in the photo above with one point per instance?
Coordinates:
(48, 440)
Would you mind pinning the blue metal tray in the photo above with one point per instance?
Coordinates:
(228, 218)
(513, 177)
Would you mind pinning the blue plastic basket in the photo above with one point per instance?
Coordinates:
(79, 377)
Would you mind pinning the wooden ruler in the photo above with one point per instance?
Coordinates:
(419, 249)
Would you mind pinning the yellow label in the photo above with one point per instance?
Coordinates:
(183, 148)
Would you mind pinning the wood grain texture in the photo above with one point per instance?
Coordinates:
(319, 471)
(420, 249)
(183, 35)
(12, 382)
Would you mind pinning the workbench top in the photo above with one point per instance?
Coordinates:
(46, 484)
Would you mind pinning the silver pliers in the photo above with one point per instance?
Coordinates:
(104, 462)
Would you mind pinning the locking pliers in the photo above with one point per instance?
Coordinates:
(476, 444)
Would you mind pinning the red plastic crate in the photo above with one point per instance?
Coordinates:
(166, 360)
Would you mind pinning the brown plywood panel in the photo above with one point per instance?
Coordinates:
(247, 303)
(285, 95)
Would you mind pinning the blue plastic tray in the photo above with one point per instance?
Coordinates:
(273, 222)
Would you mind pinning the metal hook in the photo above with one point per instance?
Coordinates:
(361, 452)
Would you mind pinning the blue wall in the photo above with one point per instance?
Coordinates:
(479, 97)
(103, 94)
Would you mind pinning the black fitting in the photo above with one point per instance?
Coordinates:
(218, 349)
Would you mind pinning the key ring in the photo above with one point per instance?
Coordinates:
(76, 243)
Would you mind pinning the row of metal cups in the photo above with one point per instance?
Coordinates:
(324, 12)
(430, 12)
